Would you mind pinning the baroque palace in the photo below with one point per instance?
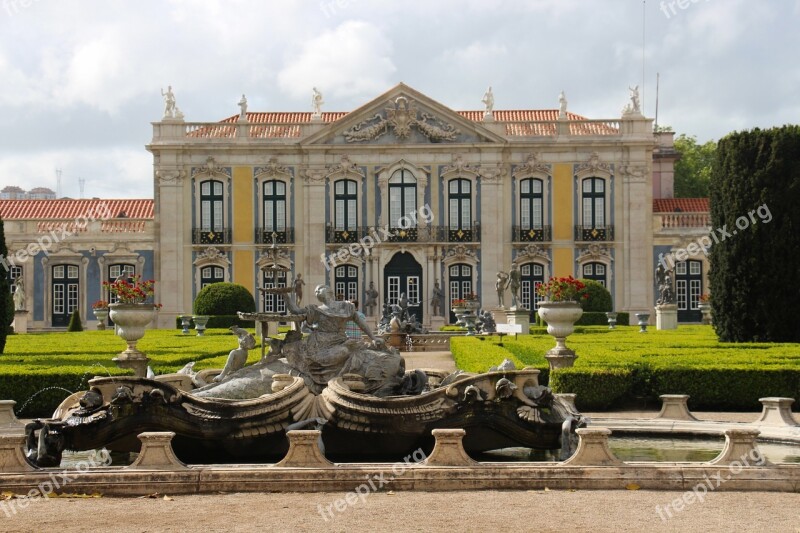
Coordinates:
(401, 193)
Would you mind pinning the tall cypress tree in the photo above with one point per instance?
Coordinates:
(755, 214)
(6, 303)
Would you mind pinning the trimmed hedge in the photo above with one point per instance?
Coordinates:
(224, 299)
(478, 354)
(221, 321)
(592, 318)
(596, 389)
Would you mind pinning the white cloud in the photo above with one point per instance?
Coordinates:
(351, 61)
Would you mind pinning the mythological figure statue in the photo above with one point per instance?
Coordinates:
(514, 279)
(666, 293)
(562, 105)
(169, 102)
(436, 299)
(243, 105)
(635, 103)
(316, 103)
(298, 288)
(488, 101)
(501, 285)
(371, 301)
(19, 295)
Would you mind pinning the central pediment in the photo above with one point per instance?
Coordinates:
(403, 116)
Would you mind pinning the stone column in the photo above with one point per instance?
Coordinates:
(173, 233)
(314, 199)
(493, 220)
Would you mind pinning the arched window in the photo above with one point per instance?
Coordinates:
(123, 270)
(211, 274)
(531, 200)
(460, 280)
(211, 212)
(596, 272)
(274, 303)
(274, 207)
(594, 203)
(346, 282)
(531, 276)
(345, 201)
(402, 199)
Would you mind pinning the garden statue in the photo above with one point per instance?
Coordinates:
(316, 103)
(562, 105)
(666, 293)
(238, 357)
(19, 294)
(514, 282)
(436, 299)
(501, 285)
(298, 288)
(487, 323)
(635, 102)
(371, 300)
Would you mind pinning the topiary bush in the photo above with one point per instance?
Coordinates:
(224, 299)
(599, 300)
(75, 322)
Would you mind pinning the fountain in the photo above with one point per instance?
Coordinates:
(357, 392)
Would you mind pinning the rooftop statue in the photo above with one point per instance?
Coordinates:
(488, 101)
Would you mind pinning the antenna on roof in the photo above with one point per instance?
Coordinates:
(655, 122)
(644, 11)
(58, 183)
(82, 184)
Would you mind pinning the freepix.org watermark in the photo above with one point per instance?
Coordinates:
(709, 484)
(668, 6)
(377, 236)
(57, 482)
(717, 235)
(374, 483)
(60, 234)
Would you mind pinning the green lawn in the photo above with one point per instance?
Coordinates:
(621, 365)
(61, 362)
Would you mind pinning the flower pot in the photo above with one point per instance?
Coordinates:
(705, 308)
(560, 318)
(101, 314)
(200, 322)
(612, 319)
(186, 321)
(131, 320)
(644, 319)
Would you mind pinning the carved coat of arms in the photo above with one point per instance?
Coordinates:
(401, 116)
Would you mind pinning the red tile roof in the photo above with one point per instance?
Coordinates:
(517, 122)
(75, 209)
(681, 205)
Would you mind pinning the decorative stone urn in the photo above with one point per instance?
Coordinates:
(200, 322)
(644, 319)
(560, 318)
(186, 320)
(612, 319)
(705, 308)
(131, 320)
(101, 314)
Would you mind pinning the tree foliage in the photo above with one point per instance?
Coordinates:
(75, 321)
(6, 302)
(693, 169)
(754, 194)
(224, 299)
(599, 299)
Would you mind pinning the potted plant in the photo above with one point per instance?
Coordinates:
(465, 310)
(100, 310)
(560, 308)
(132, 313)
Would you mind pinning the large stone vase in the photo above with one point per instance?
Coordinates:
(131, 319)
(560, 318)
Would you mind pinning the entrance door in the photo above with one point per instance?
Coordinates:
(403, 275)
(64, 294)
(460, 278)
(688, 288)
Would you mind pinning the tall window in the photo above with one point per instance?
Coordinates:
(274, 303)
(346, 282)
(596, 272)
(211, 213)
(345, 201)
(531, 204)
(211, 274)
(460, 203)
(402, 197)
(114, 272)
(14, 273)
(594, 202)
(274, 206)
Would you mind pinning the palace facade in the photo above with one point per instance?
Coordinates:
(401, 193)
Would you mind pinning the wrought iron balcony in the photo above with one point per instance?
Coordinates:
(465, 234)
(335, 235)
(594, 233)
(264, 236)
(207, 236)
(540, 234)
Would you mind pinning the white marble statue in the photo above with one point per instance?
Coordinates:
(169, 103)
(635, 102)
(316, 103)
(488, 101)
(243, 105)
(562, 105)
(19, 295)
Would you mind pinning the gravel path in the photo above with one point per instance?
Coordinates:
(540, 511)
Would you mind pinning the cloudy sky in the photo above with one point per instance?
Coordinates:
(80, 81)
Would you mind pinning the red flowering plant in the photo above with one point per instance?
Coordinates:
(705, 298)
(133, 290)
(461, 302)
(100, 304)
(566, 289)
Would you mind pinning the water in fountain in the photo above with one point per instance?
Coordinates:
(37, 393)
